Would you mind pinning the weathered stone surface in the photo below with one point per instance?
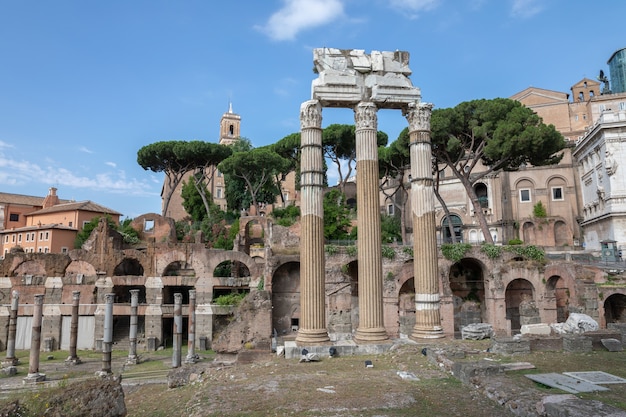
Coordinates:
(536, 329)
(96, 397)
(576, 343)
(576, 323)
(510, 346)
(252, 325)
(477, 331)
(612, 345)
(571, 406)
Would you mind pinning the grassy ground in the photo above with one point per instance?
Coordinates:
(337, 387)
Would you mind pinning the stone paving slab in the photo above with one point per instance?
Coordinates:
(596, 377)
(565, 383)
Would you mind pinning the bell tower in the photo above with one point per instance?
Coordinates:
(230, 127)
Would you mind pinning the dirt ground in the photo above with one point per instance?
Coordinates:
(337, 387)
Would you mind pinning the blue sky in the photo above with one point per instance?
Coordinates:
(85, 84)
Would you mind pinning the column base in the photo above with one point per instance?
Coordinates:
(375, 334)
(307, 336)
(10, 362)
(435, 332)
(73, 361)
(132, 360)
(34, 378)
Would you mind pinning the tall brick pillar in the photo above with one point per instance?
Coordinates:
(370, 268)
(427, 304)
(312, 325)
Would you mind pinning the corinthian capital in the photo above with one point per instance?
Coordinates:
(418, 116)
(310, 114)
(365, 116)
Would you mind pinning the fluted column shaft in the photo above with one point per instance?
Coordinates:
(312, 325)
(107, 338)
(35, 341)
(132, 334)
(371, 325)
(178, 330)
(426, 276)
(74, 327)
(10, 358)
(191, 331)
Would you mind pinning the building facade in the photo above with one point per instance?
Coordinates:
(51, 228)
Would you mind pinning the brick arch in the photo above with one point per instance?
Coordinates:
(222, 256)
(30, 267)
(80, 267)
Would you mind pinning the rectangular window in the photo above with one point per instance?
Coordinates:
(14, 217)
(40, 235)
(40, 250)
(218, 193)
(27, 237)
(6, 239)
(47, 236)
(524, 195)
(45, 250)
(13, 238)
(219, 174)
(390, 209)
(557, 193)
(32, 236)
(622, 105)
(70, 224)
(148, 226)
(63, 250)
(19, 237)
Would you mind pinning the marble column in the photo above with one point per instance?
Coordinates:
(370, 268)
(10, 359)
(191, 331)
(107, 339)
(426, 271)
(35, 343)
(73, 358)
(312, 324)
(178, 330)
(132, 334)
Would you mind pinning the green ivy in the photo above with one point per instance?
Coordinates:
(351, 250)
(407, 250)
(331, 249)
(388, 252)
(232, 299)
(529, 252)
(492, 251)
(455, 251)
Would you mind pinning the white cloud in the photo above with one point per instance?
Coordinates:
(299, 15)
(111, 164)
(414, 7)
(84, 149)
(4, 145)
(526, 8)
(24, 173)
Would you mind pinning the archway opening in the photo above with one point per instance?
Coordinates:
(615, 309)
(557, 290)
(457, 228)
(406, 307)
(286, 299)
(520, 305)
(129, 266)
(468, 292)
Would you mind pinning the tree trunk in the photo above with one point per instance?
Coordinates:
(478, 212)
